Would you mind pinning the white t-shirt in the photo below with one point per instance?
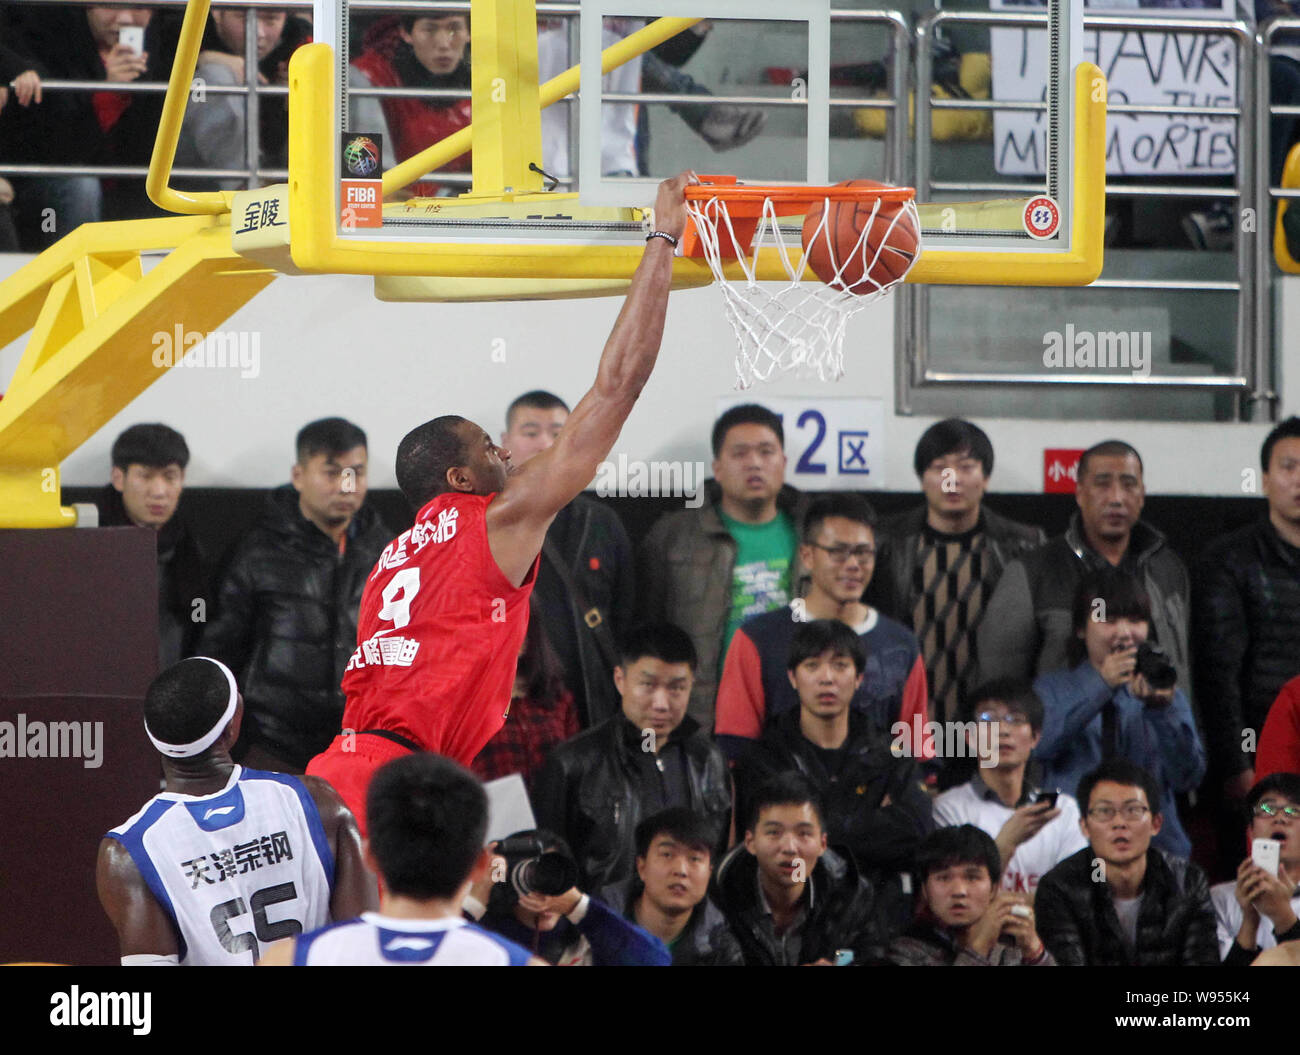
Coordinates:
(1227, 918)
(383, 941)
(974, 803)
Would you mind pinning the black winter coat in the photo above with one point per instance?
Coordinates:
(1078, 923)
(842, 914)
(706, 941)
(1245, 635)
(589, 792)
(286, 624)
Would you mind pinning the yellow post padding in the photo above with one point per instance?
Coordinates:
(1290, 180)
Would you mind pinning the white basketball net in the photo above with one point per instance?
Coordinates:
(796, 327)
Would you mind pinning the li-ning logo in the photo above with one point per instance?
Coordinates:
(76, 1008)
(218, 811)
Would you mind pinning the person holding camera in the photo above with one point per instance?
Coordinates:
(1119, 697)
(530, 896)
(964, 919)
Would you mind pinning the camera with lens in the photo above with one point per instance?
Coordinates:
(532, 869)
(1153, 664)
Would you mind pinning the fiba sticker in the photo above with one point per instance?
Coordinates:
(361, 190)
(1042, 217)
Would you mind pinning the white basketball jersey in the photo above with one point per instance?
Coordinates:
(236, 870)
(383, 941)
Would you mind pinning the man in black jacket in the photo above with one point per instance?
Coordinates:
(147, 480)
(874, 804)
(1118, 902)
(586, 582)
(668, 896)
(1247, 624)
(1027, 625)
(789, 898)
(938, 564)
(286, 620)
(594, 789)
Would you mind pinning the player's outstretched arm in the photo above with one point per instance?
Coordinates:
(519, 516)
(143, 927)
(355, 889)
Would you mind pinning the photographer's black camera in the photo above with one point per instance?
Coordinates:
(532, 869)
(1153, 664)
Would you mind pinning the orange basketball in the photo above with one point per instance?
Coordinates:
(840, 246)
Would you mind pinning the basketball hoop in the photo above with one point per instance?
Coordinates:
(799, 326)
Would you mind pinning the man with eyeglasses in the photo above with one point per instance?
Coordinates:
(1033, 831)
(839, 551)
(1120, 901)
(1261, 910)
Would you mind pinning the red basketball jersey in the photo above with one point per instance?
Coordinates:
(439, 634)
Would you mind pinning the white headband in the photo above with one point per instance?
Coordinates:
(210, 737)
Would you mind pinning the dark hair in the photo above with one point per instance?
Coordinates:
(957, 845)
(153, 446)
(185, 701)
(409, 20)
(1121, 594)
(1016, 693)
(537, 399)
(428, 820)
(1119, 771)
(848, 506)
(328, 436)
(1287, 784)
(539, 666)
(813, 638)
(1283, 430)
(1107, 449)
(953, 436)
(683, 825)
(785, 789)
(424, 456)
(662, 641)
(745, 414)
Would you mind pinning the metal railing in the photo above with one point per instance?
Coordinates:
(910, 62)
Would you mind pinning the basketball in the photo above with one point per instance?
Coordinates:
(840, 245)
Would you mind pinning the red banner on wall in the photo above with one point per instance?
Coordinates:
(1060, 469)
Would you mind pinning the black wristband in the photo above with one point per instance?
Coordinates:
(670, 239)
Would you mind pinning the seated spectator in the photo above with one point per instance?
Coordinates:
(572, 929)
(964, 916)
(428, 50)
(428, 818)
(1032, 837)
(668, 897)
(789, 898)
(1279, 743)
(709, 569)
(1120, 901)
(541, 711)
(1025, 629)
(938, 564)
(1101, 707)
(85, 128)
(1260, 910)
(872, 803)
(586, 583)
(287, 606)
(214, 134)
(147, 480)
(838, 550)
(595, 788)
(20, 72)
(218, 835)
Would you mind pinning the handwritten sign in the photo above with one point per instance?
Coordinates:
(1142, 68)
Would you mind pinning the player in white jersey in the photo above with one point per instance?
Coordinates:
(226, 860)
(427, 820)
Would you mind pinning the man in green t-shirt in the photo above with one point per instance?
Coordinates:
(709, 569)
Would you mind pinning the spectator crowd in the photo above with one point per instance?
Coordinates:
(782, 731)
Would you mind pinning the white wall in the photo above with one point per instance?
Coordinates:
(328, 347)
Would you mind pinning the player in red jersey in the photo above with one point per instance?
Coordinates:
(446, 608)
